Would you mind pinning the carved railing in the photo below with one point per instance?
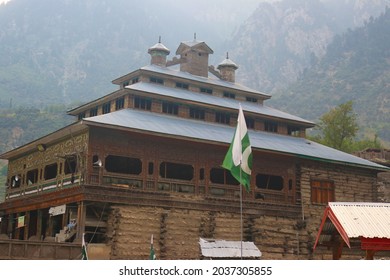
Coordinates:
(41, 250)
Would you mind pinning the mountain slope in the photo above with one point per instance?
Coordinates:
(69, 50)
(281, 39)
(355, 67)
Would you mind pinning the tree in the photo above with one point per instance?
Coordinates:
(339, 127)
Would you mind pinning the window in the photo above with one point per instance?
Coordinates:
(50, 171)
(222, 176)
(197, 113)
(142, 103)
(269, 182)
(250, 123)
(229, 95)
(119, 103)
(93, 112)
(124, 165)
(206, 90)
(322, 191)
(16, 181)
(156, 80)
(70, 165)
(106, 108)
(32, 176)
(222, 118)
(81, 116)
(178, 171)
(270, 126)
(135, 80)
(182, 85)
(251, 99)
(170, 108)
(293, 130)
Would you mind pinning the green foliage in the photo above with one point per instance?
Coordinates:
(339, 126)
(356, 67)
(338, 129)
(23, 124)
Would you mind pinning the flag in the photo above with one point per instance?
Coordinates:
(84, 255)
(152, 255)
(238, 159)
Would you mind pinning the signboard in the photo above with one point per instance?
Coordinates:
(58, 210)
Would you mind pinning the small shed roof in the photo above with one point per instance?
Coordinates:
(228, 249)
(355, 220)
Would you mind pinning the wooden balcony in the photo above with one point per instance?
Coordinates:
(13, 249)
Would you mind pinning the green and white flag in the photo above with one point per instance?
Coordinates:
(152, 255)
(239, 156)
(84, 254)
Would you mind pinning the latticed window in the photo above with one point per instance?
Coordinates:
(322, 191)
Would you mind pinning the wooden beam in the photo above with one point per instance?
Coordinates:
(338, 249)
(370, 254)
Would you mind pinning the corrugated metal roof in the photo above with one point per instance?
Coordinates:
(363, 219)
(212, 132)
(206, 80)
(214, 100)
(228, 249)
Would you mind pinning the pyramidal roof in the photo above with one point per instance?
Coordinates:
(194, 45)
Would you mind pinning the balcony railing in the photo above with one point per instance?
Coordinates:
(26, 249)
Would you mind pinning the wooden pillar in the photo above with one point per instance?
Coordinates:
(39, 224)
(338, 249)
(370, 254)
(81, 217)
(11, 223)
(26, 225)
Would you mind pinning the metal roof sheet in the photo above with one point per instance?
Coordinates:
(228, 249)
(363, 219)
(210, 80)
(212, 132)
(214, 100)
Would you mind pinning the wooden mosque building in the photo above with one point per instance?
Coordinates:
(146, 160)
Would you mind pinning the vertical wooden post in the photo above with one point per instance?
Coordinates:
(338, 249)
(370, 254)
(81, 217)
(39, 224)
(26, 225)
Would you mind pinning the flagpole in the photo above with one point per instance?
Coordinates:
(241, 208)
(241, 228)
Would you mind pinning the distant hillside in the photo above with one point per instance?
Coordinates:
(66, 51)
(279, 40)
(356, 67)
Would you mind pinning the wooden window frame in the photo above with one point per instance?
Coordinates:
(322, 191)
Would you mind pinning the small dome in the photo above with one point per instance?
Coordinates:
(159, 47)
(227, 63)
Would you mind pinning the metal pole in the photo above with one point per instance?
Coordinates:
(241, 209)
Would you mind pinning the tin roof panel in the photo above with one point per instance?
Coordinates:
(228, 249)
(214, 100)
(360, 219)
(212, 132)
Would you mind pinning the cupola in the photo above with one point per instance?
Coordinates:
(159, 54)
(227, 69)
(194, 57)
